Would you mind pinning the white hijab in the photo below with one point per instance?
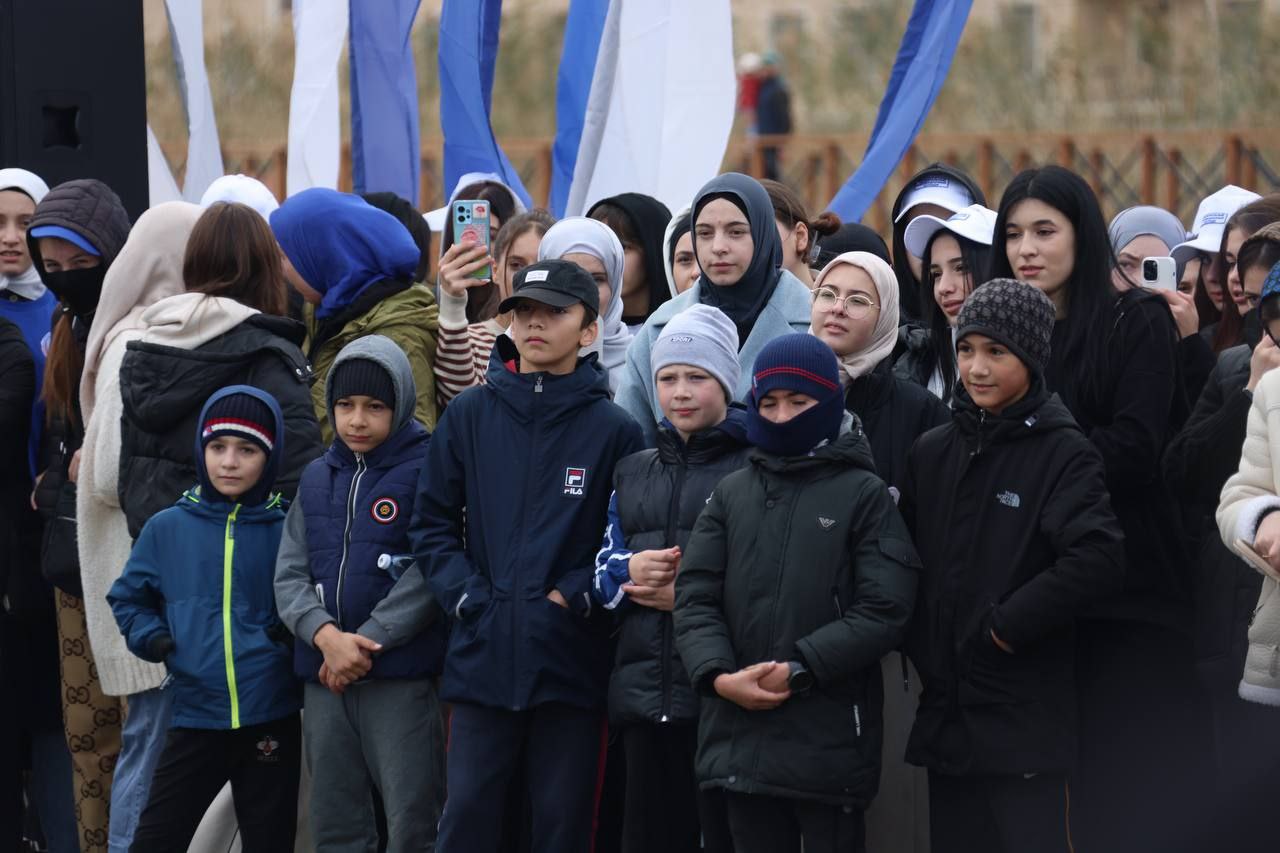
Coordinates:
(27, 284)
(592, 237)
(885, 335)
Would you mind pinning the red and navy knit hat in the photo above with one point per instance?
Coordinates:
(799, 363)
(241, 416)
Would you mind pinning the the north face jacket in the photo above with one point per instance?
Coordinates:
(800, 558)
(202, 573)
(657, 498)
(1016, 534)
(512, 504)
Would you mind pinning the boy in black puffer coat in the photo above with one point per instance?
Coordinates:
(1010, 509)
(658, 495)
(798, 578)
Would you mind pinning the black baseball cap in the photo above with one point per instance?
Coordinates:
(555, 283)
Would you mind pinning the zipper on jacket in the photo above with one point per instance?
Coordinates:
(982, 432)
(228, 653)
(673, 510)
(537, 384)
(346, 536)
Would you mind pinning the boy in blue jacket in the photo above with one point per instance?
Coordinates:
(529, 458)
(196, 595)
(372, 637)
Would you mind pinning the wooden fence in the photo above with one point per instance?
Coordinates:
(1172, 169)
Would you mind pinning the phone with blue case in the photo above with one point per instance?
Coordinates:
(470, 219)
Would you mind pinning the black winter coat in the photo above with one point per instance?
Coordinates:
(659, 495)
(1136, 405)
(894, 413)
(164, 388)
(801, 558)
(19, 547)
(1197, 464)
(1016, 534)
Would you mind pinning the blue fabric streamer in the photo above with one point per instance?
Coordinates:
(920, 69)
(582, 32)
(385, 148)
(468, 53)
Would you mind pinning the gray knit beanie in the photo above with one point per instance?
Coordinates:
(1013, 313)
(700, 336)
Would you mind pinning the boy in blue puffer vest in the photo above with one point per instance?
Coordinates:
(529, 458)
(372, 638)
(196, 595)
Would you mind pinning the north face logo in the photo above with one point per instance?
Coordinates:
(1009, 499)
(575, 481)
(827, 523)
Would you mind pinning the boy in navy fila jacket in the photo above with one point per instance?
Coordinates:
(530, 456)
(196, 595)
(372, 638)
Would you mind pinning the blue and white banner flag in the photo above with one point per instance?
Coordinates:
(315, 135)
(924, 58)
(661, 102)
(467, 55)
(385, 146)
(204, 155)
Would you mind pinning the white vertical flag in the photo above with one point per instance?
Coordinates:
(661, 105)
(319, 30)
(204, 156)
(161, 185)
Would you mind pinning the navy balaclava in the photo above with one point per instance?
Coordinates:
(801, 363)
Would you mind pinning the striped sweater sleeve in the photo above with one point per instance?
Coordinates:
(462, 351)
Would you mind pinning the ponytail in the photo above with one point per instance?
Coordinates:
(62, 369)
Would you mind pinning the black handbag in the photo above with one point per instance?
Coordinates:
(59, 554)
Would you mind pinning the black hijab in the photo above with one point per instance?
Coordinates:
(744, 301)
(649, 218)
(412, 220)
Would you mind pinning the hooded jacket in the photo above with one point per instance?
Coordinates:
(88, 207)
(1251, 493)
(352, 510)
(148, 269)
(800, 558)
(193, 345)
(201, 572)
(362, 262)
(20, 548)
(907, 284)
(1197, 464)
(512, 503)
(657, 498)
(894, 413)
(1016, 534)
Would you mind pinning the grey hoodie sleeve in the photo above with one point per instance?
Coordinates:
(406, 611)
(301, 609)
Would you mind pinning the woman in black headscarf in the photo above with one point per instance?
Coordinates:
(640, 222)
(739, 254)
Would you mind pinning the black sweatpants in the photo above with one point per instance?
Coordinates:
(261, 762)
(777, 825)
(562, 748)
(999, 814)
(664, 808)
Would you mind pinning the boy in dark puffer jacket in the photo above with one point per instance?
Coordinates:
(372, 637)
(196, 595)
(658, 495)
(798, 578)
(1010, 510)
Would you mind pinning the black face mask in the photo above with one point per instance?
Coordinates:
(77, 290)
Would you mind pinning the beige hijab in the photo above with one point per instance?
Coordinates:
(148, 269)
(885, 335)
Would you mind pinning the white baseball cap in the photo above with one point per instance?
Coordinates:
(1211, 221)
(936, 188)
(975, 222)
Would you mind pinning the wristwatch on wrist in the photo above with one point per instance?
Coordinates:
(800, 679)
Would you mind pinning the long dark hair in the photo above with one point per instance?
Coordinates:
(1090, 295)
(1248, 219)
(232, 253)
(976, 258)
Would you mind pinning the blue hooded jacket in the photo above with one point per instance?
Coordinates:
(512, 504)
(340, 245)
(202, 572)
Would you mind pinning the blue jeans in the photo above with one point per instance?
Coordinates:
(145, 727)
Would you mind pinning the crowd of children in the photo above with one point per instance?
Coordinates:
(727, 531)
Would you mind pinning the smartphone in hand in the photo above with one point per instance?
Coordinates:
(1159, 273)
(470, 219)
(1253, 558)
